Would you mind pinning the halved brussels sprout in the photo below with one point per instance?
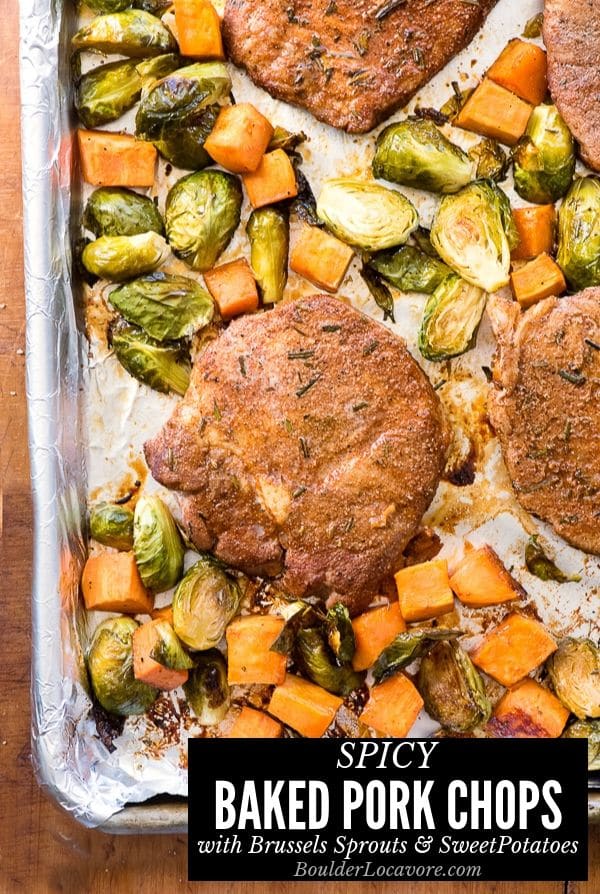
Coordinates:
(575, 673)
(133, 33)
(414, 152)
(184, 147)
(410, 269)
(168, 650)
(268, 230)
(365, 214)
(112, 525)
(202, 214)
(451, 318)
(491, 160)
(204, 603)
(589, 730)
(207, 690)
(317, 663)
(164, 367)
(116, 211)
(579, 234)
(473, 232)
(166, 306)
(107, 92)
(158, 67)
(407, 647)
(340, 633)
(118, 258)
(157, 544)
(544, 157)
(452, 689)
(110, 666)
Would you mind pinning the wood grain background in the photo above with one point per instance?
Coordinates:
(41, 849)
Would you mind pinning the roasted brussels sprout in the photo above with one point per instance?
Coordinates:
(579, 234)
(380, 292)
(491, 160)
(317, 663)
(544, 157)
(542, 566)
(116, 211)
(269, 234)
(105, 6)
(410, 269)
(131, 33)
(285, 139)
(408, 646)
(184, 147)
(473, 232)
(589, 730)
(157, 67)
(118, 258)
(367, 215)
(107, 92)
(112, 525)
(340, 633)
(168, 650)
(414, 152)
(156, 7)
(204, 603)
(166, 306)
(451, 318)
(452, 106)
(110, 666)
(157, 544)
(575, 673)
(179, 99)
(452, 689)
(164, 367)
(298, 614)
(202, 214)
(207, 690)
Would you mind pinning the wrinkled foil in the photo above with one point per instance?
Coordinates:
(88, 421)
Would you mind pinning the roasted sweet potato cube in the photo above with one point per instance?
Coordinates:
(273, 180)
(424, 590)
(145, 668)
(320, 258)
(251, 724)
(373, 632)
(513, 649)
(536, 226)
(114, 159)
(536, 280)
(249, 655)
(528, 711)
(233, 287)
(495, 112)
(239, 138)
(111, 582)
(306, 707)
(198, 29)
(393, 707)
(521, 68)
(480, 579)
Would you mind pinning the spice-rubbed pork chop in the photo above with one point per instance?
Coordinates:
(572, 38)
(545, 408)
(308, 445)
(349, 62)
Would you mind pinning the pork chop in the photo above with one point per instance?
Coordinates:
(308, 446)
(545, 409)
(349, 62)
(572, 37)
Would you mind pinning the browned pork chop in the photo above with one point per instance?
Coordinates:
(349, 62)
(308, 445)
(572, 38)
(545, 407)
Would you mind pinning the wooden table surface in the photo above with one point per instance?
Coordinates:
(41, 849)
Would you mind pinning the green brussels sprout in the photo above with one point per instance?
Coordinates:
(116, 211)
(544, 157)
(340, 633)
(268, 230)
(202, 214)
(204, 603)
(589, 730)
(157, 544)
(167, 650)
(407, 647)
(184, 147)
(107, 92)
(452, 106)
(131, 33)
(166, 306)
(157, 67)
(410, 269)
(452, 689)
(541, 566)
(112, 525)
(491, 160)
(298, 614)
(451, 318)
(367, 215)
(575, 673)
(207, 690)
(415, 153)
(380, 293)
(579, 234)
(105, 6)
(473, 232)
(110, 666)
(285, 139)
(164, 367)
(156, 7)
(122, 257)
(317, 663)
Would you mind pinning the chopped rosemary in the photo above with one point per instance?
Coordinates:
(592, 344)
(242, 362)
(300, 355)
(567, 432)
(216, 411)
(439, 384)
(370, 348)
(575, 378)
(331, 327)
(348, 525)
(418, 56)
(288, 426)
(299, 491)
(360, 406)
(332, 8)
(304, 447)
(305, 388)
(386, 8)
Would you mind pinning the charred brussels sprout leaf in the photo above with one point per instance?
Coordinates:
(422, 239)
(202, 214)
(112, 525)
(541, 566)
(452, 106)
(381, 294)
(157, 544)
(317, 663)
(415, 153)
(589, 730)
(132, 33)
(579, 234)
(110, 666)
(408, 646)
(207, 690)
(575, 673)
(184, 147)
(268, 230)
(179, 99)
(340, 633)
(204, 603)
(410, 269)
(166, 306)
(491, 160)
(285, 139)
(304, 205)
(544, 157)
(158, 67)
(107, 92)
(452, 689)
(106, 6)
(164, 367)
(451, 318)
(118, 258)
(533, 27)
(156, 7)
(299, 614)
(168, 651)
(116, 211)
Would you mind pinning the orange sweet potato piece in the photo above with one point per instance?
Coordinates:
(239, 138)
(480, 578)
(111, 582)
(272, 181)
(521, 68)
(251, 724)
(321, 258)
(373, 632)
(537, 279)
(393, 707)
(536, 226)
(514, 648)
(249, 659)
(114, 159)
(304, 706)
(163, 614)
(424, 591)
(528, 711)
(198, 29)
(233, 287)
(495, 112)
(146, 668)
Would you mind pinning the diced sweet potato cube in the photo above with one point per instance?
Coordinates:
(251, 724)
(536, 226)
(480, 578)
(320, 258)
(239, 138)
(373, 632)
(536, 280)
(146, 668)
(424, 590)
(528, 711)
(393, 707)
(521, 68)
(198, 29)
(249, 656)
(233, 287)
(163, 614)
(111, 582)
(304, 706)
(272, 181)
(114, 159)
(513, 649)
(495, 112)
